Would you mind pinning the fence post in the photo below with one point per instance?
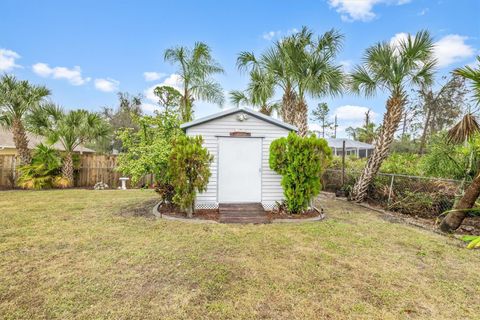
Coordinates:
(391, 189)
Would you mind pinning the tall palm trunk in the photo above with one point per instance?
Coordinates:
(21, 141)
(67, 168)
(288, 106)
(391, 120)
(301, 117)
(455, 218)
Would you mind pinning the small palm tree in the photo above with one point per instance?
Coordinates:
(466, 129)
(71, 129)
(17, 99)
(300, 65)
(259, 93)
(391, 68)
(196, 68)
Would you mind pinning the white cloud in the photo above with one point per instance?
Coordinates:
(397, 38)
(452, 48)
(152, 75)
(346, 65)
(74, 75)
(271, 34)
(149, 107)
(7, 59)
(107, 85)
(423, 12)
(352, 113)
(174, 80)
(362, 10)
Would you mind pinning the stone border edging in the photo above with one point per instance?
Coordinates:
(158, 215)
(320, 217)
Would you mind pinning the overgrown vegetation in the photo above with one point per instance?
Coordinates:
(300, 161)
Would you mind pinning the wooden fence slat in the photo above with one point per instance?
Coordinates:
(92, 169)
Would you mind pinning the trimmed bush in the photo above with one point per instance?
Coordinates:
(188, 170)
(300, 161)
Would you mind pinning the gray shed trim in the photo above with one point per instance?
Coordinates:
(228, 112)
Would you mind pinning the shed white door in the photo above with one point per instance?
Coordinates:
(239, 170)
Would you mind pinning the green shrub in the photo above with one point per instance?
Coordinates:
(147, 151)
(188, 170)
(300, 161)
(44, 170)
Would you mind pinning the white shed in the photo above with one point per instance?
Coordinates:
(239, 139)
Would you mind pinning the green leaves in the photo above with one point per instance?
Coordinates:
(196, 68)
(188, 170)
(474, 76)
(395, 66)
(474, 241)
(301, 162)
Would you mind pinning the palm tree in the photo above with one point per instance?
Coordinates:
(391, 68)
(71, 129)
(17, 99)
(300, 65)
(466, 129)
(196, 67)
(259, 92)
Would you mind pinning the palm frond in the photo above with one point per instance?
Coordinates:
(473, 75)
(464, 130)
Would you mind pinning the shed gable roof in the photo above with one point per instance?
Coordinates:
(228, 112)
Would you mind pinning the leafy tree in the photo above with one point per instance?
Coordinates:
(189, 170)
(300, 65)
(17, 99)
(259, 93)
(320, 114)
(43, 171)
(392, 68)
(300, 161)
(70, 128)
(147, 151)
(169, 98)
(196, 68)
(465, 130)
(439, 109)
(129, 107)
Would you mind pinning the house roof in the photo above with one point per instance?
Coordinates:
(6, 141)
(349, 144)
(228, 112)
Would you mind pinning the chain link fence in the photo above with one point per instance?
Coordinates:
(413, 195)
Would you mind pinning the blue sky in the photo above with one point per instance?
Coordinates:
(86, 51)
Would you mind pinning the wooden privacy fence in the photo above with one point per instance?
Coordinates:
(92, 169)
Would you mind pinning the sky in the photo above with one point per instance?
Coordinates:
(87, 51)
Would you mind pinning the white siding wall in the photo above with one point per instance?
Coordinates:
(271, 189)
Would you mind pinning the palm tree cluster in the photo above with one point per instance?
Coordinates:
(23, 107)
(300, 65)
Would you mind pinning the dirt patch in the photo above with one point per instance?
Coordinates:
(142, 209)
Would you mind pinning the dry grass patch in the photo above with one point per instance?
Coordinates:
(80, 254)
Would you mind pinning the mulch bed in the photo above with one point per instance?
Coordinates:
(204, 214)
(281, 214)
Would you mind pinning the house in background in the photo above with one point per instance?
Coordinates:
(7, 146)
(239, 140)
(352, 147)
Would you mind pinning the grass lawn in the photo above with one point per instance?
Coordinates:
(70, 254)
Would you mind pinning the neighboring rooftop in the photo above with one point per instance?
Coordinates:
(6, 141)
(349, 144)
